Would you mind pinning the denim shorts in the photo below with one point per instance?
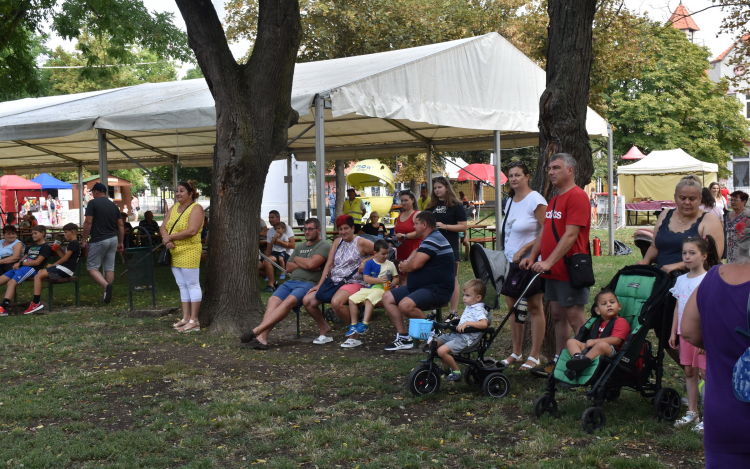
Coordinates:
(295, 288)
(424, 298)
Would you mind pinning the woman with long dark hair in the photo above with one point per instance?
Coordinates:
(451, 220)
(405, 231)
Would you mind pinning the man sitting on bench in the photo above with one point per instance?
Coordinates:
(64, 268)
(430, 283)
(36, 255)
(305, 265)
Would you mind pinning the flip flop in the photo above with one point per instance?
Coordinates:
(254, 344)
(247, 336)
(322, 340)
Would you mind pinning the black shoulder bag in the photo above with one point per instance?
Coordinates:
(580, 267)
(165, 257)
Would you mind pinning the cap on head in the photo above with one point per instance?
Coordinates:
(99, 187)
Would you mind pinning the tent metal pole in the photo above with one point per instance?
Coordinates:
(80, 194)
(320, 162)
(428, 182)
(610, 192)
(288, 180)
(103, 172)
(175, 179)
(498, 187)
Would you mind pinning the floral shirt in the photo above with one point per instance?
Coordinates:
(734, 226)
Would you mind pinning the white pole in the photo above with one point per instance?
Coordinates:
(103, 172)
(288, 180)
(80, 194)
(610, 192)
(320, 162)
(175, 179)
(498, 190)
(428, 183)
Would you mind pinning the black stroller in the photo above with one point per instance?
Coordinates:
(478, 369)
(643, 292)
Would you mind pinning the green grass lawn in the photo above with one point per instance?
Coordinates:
(89, 388)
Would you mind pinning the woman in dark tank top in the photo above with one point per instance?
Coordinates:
(676, 225)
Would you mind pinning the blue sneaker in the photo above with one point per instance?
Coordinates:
(361, 328)
(352, 330)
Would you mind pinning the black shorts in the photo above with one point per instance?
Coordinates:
(424, 298)
(55, 273)
(518, 279)
(276, 255)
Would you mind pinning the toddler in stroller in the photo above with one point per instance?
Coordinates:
(643, 291)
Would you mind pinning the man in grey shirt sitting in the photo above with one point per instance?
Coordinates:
(105, 226)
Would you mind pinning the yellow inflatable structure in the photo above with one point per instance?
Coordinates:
(368, 173)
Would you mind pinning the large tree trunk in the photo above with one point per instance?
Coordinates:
(253, 114)
(562, 107)
(340, 167)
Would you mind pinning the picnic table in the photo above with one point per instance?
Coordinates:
(483, 239)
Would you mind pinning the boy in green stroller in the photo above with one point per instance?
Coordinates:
(643, 292)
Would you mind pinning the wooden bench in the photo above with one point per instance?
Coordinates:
(74, 279)
(483, 240)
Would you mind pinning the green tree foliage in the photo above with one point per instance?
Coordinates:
(193, 73)
(75, 80)
(127, 24)
(200, 177)
(673, 104)
(343, 28)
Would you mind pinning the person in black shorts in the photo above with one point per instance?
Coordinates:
(450, 216)
(429, 285)
(64, 268)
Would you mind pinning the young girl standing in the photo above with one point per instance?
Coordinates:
(699, 255)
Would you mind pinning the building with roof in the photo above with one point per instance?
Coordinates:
(682, 19)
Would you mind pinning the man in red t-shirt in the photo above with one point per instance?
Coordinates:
(571, 214)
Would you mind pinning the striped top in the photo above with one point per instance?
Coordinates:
(439, 271)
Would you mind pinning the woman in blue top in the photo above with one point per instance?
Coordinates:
(672, 228)
(11, 249)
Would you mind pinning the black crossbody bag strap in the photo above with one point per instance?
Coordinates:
(554, 230)
(505, 220)
(178, 218)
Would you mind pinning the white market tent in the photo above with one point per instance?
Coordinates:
(475, 93)
(657, 174)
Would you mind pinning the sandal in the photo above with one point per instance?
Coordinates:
(514, 357)
(179, 324)
(194, 326)
(526, 366)
(322, 339)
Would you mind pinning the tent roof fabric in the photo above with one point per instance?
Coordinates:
(668, 162)
(633, 154)
(452, 95)
(49, 182)
(17, 183)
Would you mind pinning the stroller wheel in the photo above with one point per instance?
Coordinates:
(545, 405)
(422, 381)
(496, 385)
(471, 375)
(667, 404)
(593, 419)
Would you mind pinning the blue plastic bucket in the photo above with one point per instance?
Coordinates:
(420, 328)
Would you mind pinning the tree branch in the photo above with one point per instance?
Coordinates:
(207, 39)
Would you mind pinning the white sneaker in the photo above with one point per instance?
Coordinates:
(698, 427)
(690, 417)
(351, 343)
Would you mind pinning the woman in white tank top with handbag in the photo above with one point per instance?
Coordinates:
(522, 224)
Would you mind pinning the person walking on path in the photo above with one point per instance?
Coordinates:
(103, 223)
(570, 215)
(135, 207)
(450, 216)
(181, 234)
(522, 223)
(405, 231)
(332, 204)
(355, 208)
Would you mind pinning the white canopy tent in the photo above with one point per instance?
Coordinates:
(458, 95)
(657, 174)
